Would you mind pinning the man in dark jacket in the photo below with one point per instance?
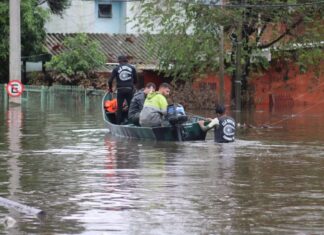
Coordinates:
(137, 103)
(126, 77)
(224, 126)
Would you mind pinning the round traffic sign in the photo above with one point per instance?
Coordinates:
(15, 88)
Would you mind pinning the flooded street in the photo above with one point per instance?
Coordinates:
(57, 156)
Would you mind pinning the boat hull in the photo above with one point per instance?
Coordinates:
(188, 131)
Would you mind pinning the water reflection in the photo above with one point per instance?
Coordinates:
(111, 158)
(14, 120)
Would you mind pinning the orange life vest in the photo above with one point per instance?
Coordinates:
(111, 105)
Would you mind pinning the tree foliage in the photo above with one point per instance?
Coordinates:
(188, 32)
(33, 18)
(81, 57)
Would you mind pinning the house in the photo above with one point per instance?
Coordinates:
(93, 16)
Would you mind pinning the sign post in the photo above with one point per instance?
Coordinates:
(15, 88)
(14, 51)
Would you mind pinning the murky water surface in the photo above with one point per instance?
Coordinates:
(56, 155)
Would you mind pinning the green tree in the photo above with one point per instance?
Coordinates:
(33, 18)
(56, 6)
(81, 57)
(187, 42)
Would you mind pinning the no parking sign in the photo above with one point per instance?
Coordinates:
(15, 88)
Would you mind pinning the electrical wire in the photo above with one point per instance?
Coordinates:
(215, 4)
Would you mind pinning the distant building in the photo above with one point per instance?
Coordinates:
(89, 16)
(93, 16)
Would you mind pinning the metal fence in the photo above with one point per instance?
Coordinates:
(56, 88)
(47, 94)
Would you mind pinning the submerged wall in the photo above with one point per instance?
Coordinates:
(285, 85)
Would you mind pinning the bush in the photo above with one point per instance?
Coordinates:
(80, 58)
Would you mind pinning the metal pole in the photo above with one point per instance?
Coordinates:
(221, 67)
(43, 98)
(5, 96)
(15, 45)
(238, 82)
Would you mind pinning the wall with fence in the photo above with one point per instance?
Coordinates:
(47, 94)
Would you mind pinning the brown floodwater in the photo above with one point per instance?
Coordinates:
(57, 156)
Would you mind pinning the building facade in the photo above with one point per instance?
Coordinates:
(94, 16)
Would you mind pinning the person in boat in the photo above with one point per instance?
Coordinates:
(224, 125)
(126, 78)
(137, 103)
(155, 107)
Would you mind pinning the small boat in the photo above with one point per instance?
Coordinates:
(186, 131)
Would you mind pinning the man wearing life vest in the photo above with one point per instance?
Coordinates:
(155, 107)
(225, 126)
(126, 77)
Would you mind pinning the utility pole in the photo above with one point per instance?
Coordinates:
(15, 45)
(221, 68)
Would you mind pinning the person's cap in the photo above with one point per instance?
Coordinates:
(122, 58)
(220, 109)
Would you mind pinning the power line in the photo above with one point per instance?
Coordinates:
(221, 5)
(262, 5)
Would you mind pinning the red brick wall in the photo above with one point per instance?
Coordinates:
(281, 85)
(212, 82)
(285, 85)
(153, 76)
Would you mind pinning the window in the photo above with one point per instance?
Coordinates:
(104, 11)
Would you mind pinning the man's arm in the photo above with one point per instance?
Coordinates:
(214, 122)
(163, 103)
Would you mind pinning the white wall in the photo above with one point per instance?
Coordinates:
(33, 66)
(132, 10)
(82, 16)
(79, 17)
(131, 14)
